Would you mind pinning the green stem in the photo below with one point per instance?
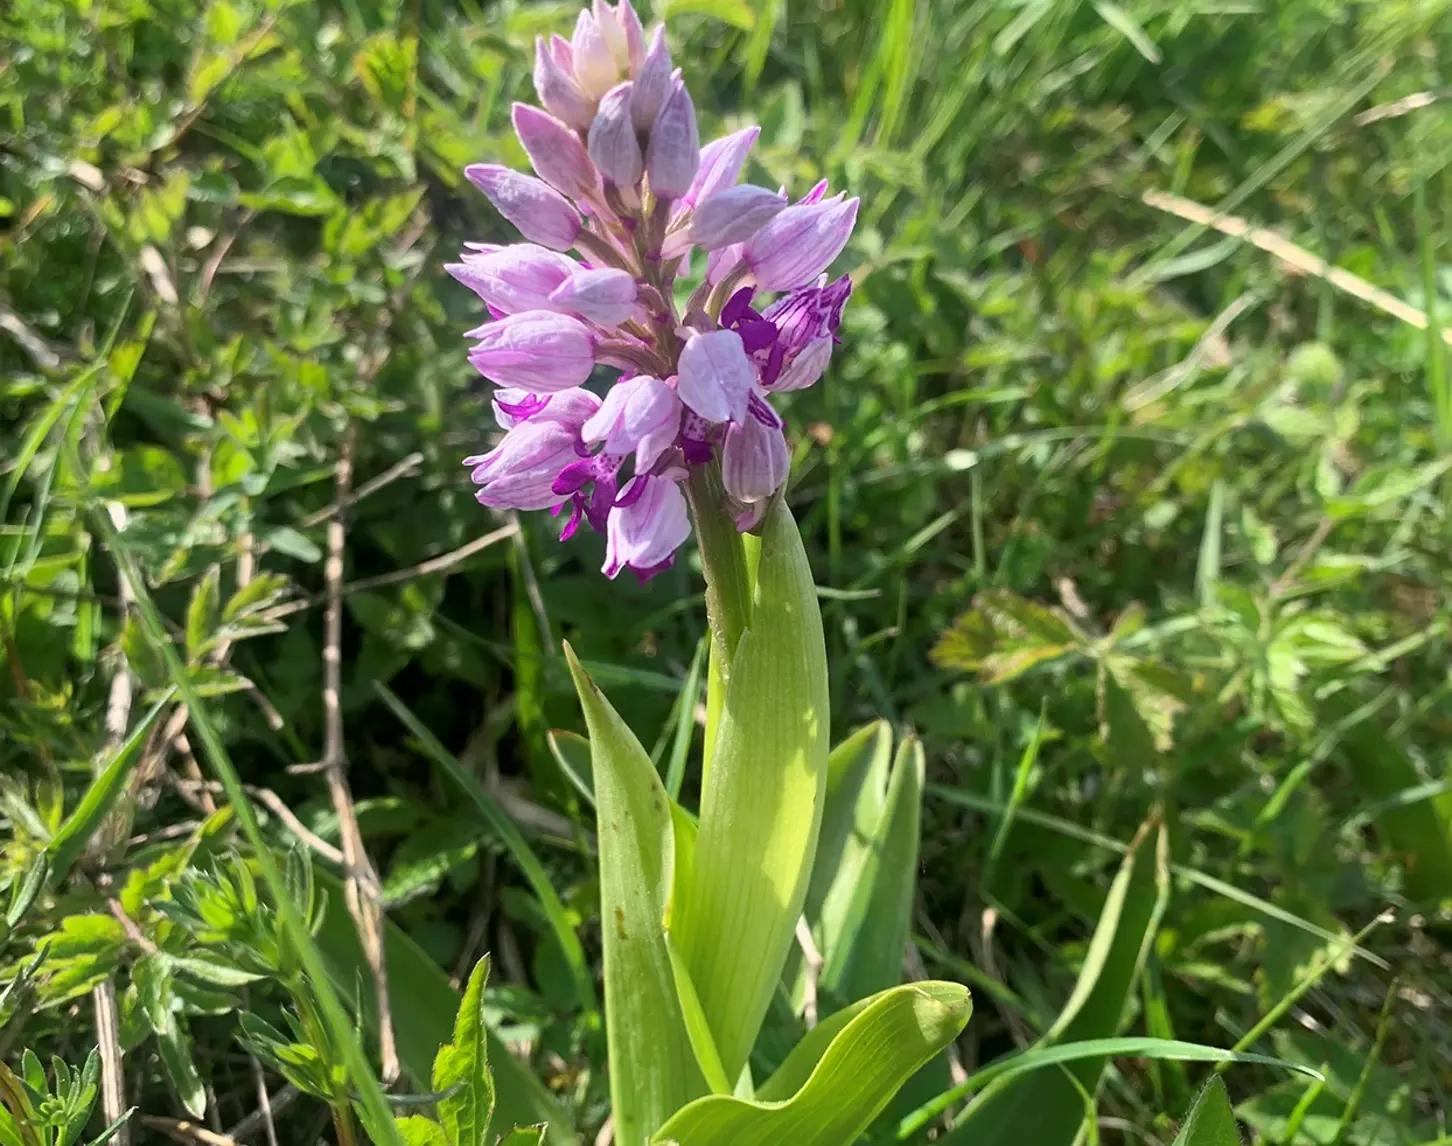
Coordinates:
(728, 586)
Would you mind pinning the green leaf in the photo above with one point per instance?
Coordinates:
(856, 1076)
(572, 753)
(737, 13)
(175, 1045)
(761, 806)
(202, 613)
(1421, 831)
(425, 1005)
(1128, 27)
(71, 840)
(25, 890)
(461, 1069)
(653, 1070)
(214, 968)
(1046, 1107)
(1030, 1064)
(857, 773)
(1210, 1121)
(874, 937)
(524, 1136)
(416, 1130)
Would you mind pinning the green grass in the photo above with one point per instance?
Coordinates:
(1056, 409)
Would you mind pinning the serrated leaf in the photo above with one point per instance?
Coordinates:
(461, 1069)
(762, 802)
(1210, 1121)
(653, 1068)
(856, 1076)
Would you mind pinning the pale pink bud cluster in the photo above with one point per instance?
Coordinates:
(621, 179)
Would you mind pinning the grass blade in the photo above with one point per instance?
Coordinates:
(499, 821)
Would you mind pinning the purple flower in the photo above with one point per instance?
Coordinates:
(646, 527)
(537, 351)
(641, 415)
(520, 472)
(625, 186)
(540, 212)
(606, 296)
(800, 243)
(716, 376)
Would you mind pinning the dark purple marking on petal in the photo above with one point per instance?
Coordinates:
(738, 308)
(762, 412)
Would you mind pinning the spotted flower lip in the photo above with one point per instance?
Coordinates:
(621, 195)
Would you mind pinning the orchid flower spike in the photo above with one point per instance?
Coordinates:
(621, 194)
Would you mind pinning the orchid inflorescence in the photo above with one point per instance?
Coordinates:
(623, 182)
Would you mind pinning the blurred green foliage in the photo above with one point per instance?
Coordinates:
(1122, 516)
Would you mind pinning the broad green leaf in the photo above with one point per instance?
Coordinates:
(424, 1008)
(653, 1069)
(762, 802)
(71, 840)
(855, 1078)
(868, 957)
(703, 1043)
(416, 1130)
(1046, 1107)
(1210, 1121)
(461, 1069)
(857, 773)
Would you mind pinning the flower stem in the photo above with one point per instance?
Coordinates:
(728, 585)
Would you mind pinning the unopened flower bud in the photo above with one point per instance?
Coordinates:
(556, 153)
(733, 215)
(515, 278)
(613, 145)
(799, 243)
(606, 296)
(538, 351)
(716, 376)
(674, 154)
(541, 213)
(634, 36)
(612, 31)
(652, 83)
(754, 460)
(595, 68)
(556, 86)
(721, 163)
